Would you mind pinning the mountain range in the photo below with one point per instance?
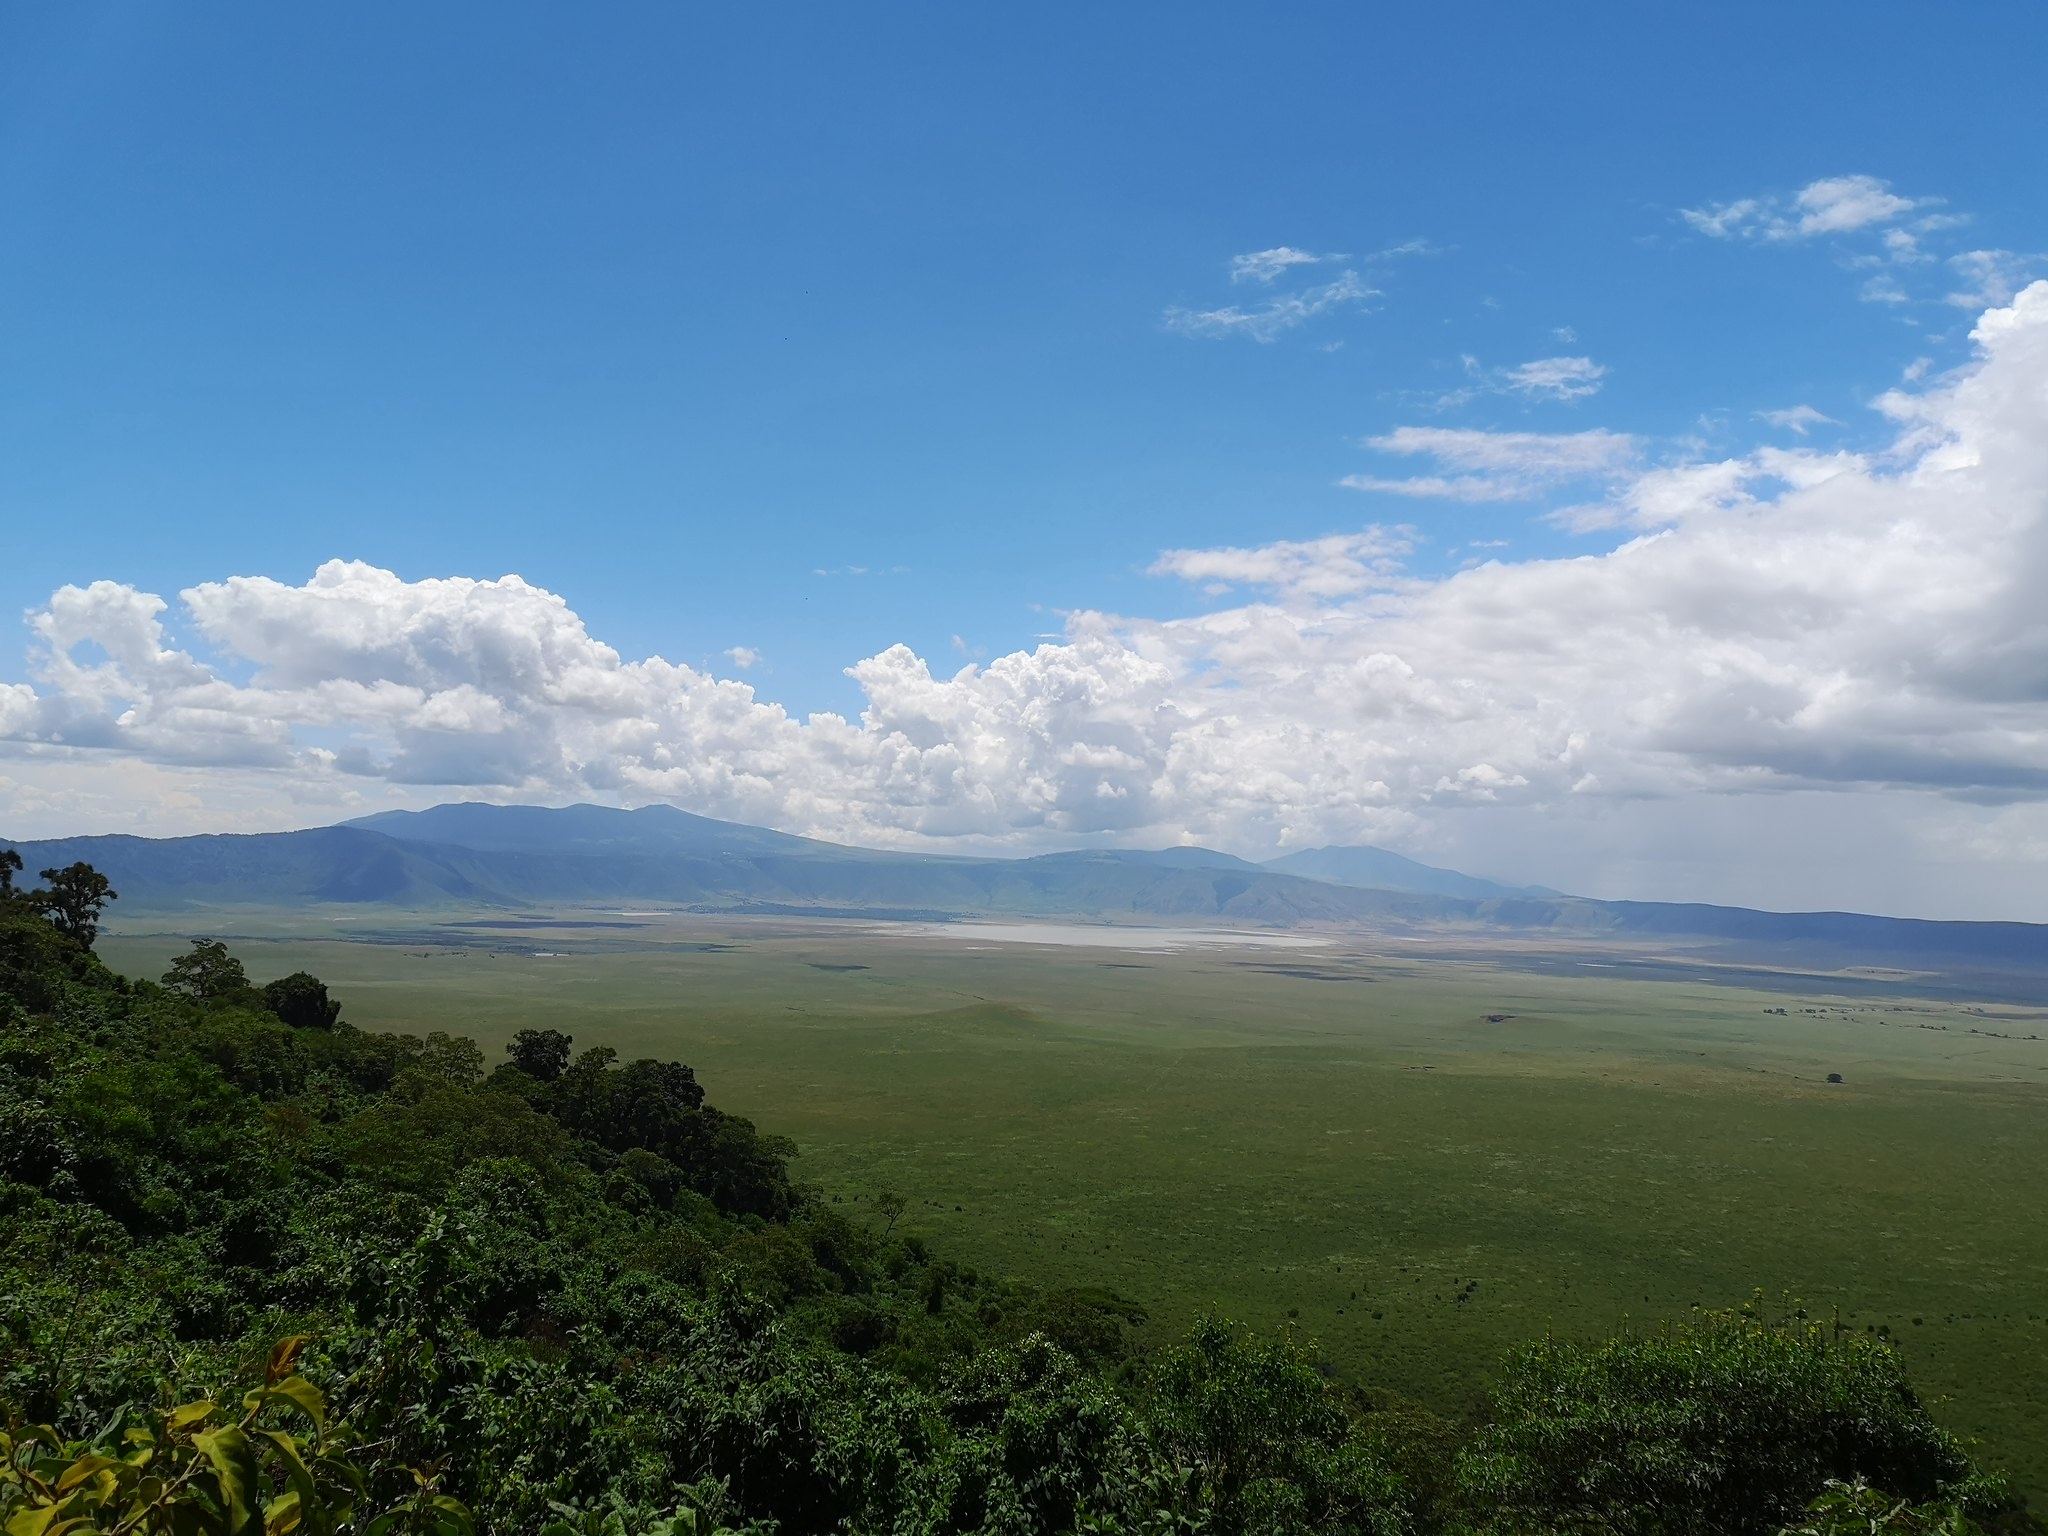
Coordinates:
(473, 855)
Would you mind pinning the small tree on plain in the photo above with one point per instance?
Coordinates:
(891, 1206)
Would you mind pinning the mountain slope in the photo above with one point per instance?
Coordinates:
(583, 829)
(514, 857)
(581, 861)
(321, 864)
(1381, 870)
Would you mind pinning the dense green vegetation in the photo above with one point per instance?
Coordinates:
(566, 1293)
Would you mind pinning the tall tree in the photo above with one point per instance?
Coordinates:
(541, 1053)
(301, 1000)
(10, 866)
(74, 899)
(207, 971)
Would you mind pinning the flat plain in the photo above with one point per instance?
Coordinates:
(1420, 1154)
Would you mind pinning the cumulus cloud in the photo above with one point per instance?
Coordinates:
(1779, 623)
(745, 657)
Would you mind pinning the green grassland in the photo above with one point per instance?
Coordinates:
(1422, 1158)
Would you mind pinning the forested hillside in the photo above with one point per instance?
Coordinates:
(263, 1271)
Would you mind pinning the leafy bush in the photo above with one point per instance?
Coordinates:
(1258, 1442)
(203, 1467)
(1727, 1423)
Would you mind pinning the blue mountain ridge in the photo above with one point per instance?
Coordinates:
(474, 854)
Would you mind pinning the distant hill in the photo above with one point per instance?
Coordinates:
(527, 856)
(323, 864)
(580, 829)
(1380, 870)
(512, 857)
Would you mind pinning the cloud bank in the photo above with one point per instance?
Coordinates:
(1785, 623)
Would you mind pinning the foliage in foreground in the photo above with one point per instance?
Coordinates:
(1723, 1423)
(567, 1295)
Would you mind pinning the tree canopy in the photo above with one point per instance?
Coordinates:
(73, 898)
(207, 972)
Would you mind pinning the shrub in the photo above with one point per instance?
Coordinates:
(1726, 1424)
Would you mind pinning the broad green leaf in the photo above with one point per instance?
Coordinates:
(304, 1496)
(84, 1470)
(282, 1517)
(299, 1393)
(190, 1413)
(283, 1357)
(234, 1464)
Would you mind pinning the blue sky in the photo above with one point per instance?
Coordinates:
(813, 330)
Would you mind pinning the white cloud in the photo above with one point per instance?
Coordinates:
(1837, 204)
(1338, 565)
(1498, 466)
(1801, 419)
(1872, 227)
(1903, 245)
(1989, 277)
(1785, 640)
(1264, 266)
(1563, 379)
(1557, 378)
(1728, 221)
(1534, 453)
(1834, 205)
(1272, 318)
(745, 657)
(1266, 322)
